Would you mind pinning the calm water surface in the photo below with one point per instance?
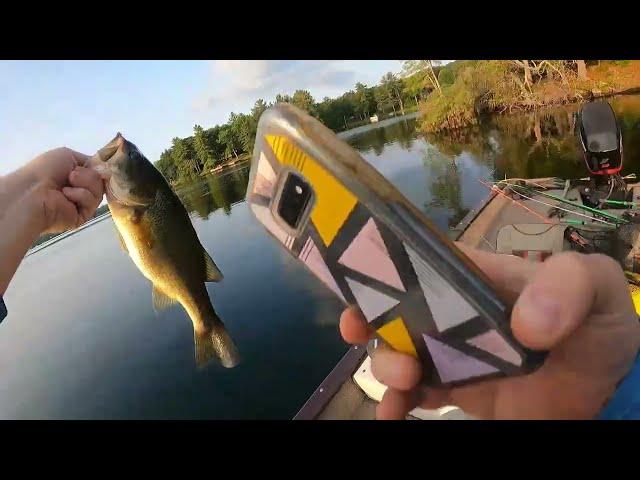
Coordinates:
(82, 339)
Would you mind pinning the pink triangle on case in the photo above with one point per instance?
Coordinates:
(453, 365)
(265, 177)
(371, 302)
(311, 256)
(368, 255)
(493, 343)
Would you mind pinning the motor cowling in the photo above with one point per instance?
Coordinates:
(600, 138)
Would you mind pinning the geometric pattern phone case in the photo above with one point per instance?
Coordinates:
(407, 302)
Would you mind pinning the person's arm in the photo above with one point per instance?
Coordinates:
(625, 403)
(14, 185)
(21, 222)
(52, 193)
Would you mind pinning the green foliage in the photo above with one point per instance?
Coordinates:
(446, 76)
(228, 138)
(215, 147)
(493, 85)
(258, 109)
(622, 63)
(167, 166)
(201, 146)
(184, 157)
(243, 128)
(283, 98)
(391, 88)
(304, 101)
(456, 106)
(457, 66)
(335, 113)
(365, 103)
(414, 85)
(451, 109)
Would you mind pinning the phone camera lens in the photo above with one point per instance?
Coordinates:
(295, 197)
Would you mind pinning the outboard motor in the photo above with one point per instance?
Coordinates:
(601, 142)
(601, 139)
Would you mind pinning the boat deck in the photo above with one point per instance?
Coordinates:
(498, 211)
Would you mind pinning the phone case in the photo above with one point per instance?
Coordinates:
(371, 247)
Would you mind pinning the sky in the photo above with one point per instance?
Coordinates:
(83, 104)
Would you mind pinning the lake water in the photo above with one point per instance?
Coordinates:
(82, 339)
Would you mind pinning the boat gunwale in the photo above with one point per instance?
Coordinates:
(326, 391)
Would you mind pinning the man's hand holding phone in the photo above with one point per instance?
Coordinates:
(576, 306)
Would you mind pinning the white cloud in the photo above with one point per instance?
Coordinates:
(248, 75)
(238, 83)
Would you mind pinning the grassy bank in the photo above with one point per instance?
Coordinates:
(501, 86)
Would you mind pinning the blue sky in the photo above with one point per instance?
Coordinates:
(82, 104)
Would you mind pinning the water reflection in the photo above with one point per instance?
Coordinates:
(374, 140)
(538, 144)
(215, 192)
(445, 185)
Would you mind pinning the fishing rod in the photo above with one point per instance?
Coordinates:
(547, 183)
(555, 182)
(493, 188)
(567, 221)
(569, 202)
(618, 202)
(596, 211)
(631, 176)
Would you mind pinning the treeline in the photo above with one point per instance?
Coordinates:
(209, 148)
(466, 89)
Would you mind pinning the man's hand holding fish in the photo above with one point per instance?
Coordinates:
(52, 193)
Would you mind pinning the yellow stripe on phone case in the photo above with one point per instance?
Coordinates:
(334, 203)
(395, 334)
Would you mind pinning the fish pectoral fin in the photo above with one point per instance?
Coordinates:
(213, 272)
(161, 300)
(123, 245)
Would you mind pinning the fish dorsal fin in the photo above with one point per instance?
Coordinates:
(213, 272)
(123, 245)
(161, 300)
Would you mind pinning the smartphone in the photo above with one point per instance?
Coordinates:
(355, 232)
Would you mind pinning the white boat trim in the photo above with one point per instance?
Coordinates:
(375, 390)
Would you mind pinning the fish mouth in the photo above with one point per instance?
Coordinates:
(99, 161)
(110, 149)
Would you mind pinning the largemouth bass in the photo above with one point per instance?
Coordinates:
(156, 231)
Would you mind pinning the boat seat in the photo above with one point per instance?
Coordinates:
(533, 241)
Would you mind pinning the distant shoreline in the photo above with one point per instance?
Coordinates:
(68, 233)
(345, 134)
(370, 126)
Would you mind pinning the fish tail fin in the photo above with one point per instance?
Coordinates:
(215, 343)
